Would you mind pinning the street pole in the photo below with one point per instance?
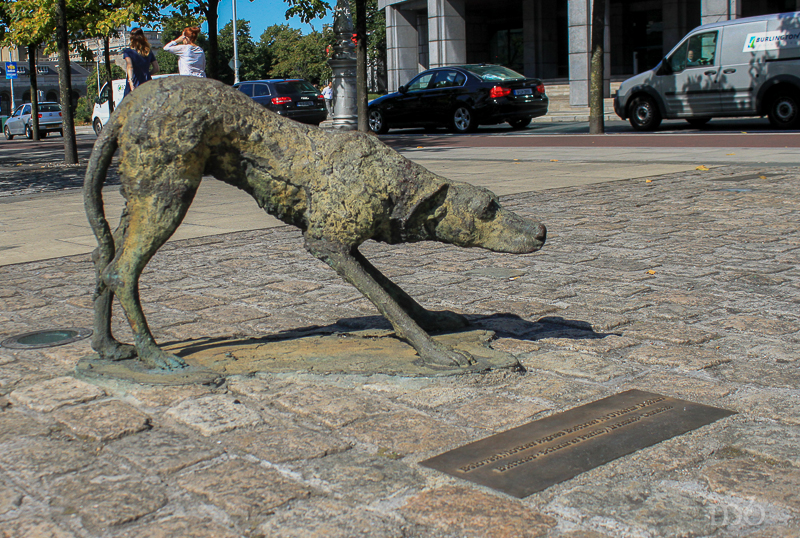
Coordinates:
(98, 67)
(11, 80)
(343, 67)
(235, 48)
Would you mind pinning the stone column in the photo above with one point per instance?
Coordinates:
(447, 32)
(719, 10)
(673, 16)
(540, 39)
(580, 50)
(401, 46)
(343, 65)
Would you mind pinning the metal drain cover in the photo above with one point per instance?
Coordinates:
(48, 338)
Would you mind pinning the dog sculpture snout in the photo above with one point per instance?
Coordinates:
(472, 216)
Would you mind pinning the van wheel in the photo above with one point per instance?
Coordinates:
(783, 110)
(698, 122)
(97, 125)
(644, 114)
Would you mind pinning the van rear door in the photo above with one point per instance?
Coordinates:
(691, 88)
(743, 67)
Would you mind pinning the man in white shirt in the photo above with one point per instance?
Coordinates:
(327, 93)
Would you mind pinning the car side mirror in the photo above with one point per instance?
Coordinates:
(402, 89)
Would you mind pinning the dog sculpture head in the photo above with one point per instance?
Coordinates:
(469, 216)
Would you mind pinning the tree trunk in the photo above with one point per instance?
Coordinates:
(34, 91)
(361, 65)
(65, 85)
(212, 66)
(109, 75)
(597, 68)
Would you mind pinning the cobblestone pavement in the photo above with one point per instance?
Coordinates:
(685, 285)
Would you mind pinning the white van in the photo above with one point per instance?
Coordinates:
(742, 67)
(100, 112)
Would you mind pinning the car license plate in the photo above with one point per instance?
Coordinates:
(523, 91)
(305, 103)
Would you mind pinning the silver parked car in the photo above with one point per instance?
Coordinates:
(20, 121)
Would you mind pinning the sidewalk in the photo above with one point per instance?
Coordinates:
(666, 279)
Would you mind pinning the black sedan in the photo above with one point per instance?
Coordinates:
(293, 98)
(461, 98)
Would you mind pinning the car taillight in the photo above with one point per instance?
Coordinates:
(540, 88)
(281, 100)
(499, 91)
(40, 116)
(320, 96)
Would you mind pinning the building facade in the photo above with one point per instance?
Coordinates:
(46, 82)
(548, 39)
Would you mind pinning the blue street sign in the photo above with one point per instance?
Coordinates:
(11, 69)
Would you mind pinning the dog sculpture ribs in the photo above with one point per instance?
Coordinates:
(339, 189)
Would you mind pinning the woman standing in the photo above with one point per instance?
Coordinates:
(191, 58)
(140, 60)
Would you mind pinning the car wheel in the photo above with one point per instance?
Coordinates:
(783, 110)
(698, 122)
(520, 124)
(377, 122)
(97, 125)
(8, 134)
(463, 121)
(644, 114)
(28, 132)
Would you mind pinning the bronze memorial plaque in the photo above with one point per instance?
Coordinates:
(544, 452)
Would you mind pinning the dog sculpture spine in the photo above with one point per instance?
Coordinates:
(339, 189)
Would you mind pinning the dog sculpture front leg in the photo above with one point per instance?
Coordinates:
(345, 261)
(442, 320)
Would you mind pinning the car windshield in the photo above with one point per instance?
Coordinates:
(494, 72)
(49, 108)
(295, 86)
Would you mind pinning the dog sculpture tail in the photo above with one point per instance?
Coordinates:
(96, 172)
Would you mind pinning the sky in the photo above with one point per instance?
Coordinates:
(264, 13)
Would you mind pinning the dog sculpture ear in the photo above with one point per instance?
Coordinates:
(417, 221)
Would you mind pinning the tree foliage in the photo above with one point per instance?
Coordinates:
(294, 55)
(251, 67)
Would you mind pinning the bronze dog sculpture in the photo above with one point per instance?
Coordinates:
(339, 189)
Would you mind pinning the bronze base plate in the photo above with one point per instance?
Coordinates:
(537, 455)
(358, 352)
(93, 368)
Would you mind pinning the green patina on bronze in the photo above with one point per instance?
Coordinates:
(339, 189)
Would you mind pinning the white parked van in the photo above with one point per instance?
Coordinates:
(100, 112)
(742, 67)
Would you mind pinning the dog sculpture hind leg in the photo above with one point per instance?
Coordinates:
(340, 190)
